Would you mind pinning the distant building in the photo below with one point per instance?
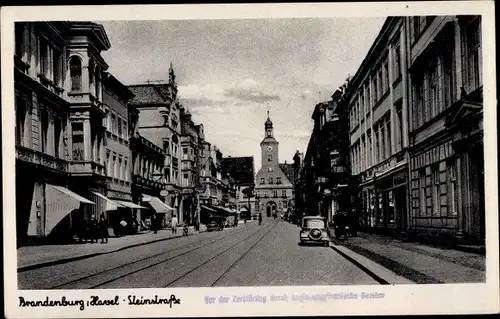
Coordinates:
(273, 189)
(241, 169)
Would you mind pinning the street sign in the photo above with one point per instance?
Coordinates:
(164, 193)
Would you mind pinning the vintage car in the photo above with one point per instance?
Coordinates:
(314, 230)
(215, 224)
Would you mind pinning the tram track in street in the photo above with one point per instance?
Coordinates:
(162, 261)
(199, 244)
(266, 232)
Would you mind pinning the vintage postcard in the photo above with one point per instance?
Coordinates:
(250, 160)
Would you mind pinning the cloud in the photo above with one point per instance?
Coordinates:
(203, 109)
(293, 134)
(250, 90)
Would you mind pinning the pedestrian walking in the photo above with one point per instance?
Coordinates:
(154, 223)
(103, 229)
(174, 223)
(123, 227)
(93, 229)
(260, 219)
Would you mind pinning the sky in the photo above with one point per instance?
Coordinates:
(231, 72)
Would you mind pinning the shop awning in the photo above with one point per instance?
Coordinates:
(208, 208)
(60, 201)
(158, 205)
(129, 204)
(110, 204)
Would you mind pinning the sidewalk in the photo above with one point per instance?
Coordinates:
(416, 262)
(31, 257)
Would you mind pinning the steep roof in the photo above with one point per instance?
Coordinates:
(240, 168)
(288, 171)
(146, 94)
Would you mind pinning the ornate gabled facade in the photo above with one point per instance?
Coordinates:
(160, 122)
(273, 189)
(241, 170)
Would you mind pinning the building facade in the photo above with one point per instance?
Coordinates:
(118, 154)
(273, 190)
(446, 127)
(192, 137)
(241, 169)
(326, 185)
(159, 122)
(378, 108)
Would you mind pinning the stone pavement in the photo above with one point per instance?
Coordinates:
(417, 262)
(30, 257)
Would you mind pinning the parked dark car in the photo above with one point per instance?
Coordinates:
(215, 224)
(313, 230)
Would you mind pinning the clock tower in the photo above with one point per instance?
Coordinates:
(269, 145)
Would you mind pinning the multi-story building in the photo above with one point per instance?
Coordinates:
(42, 135)
(327, 185)
(118, 155)
(273, 189)
(446, 130)
(241, 169)
(159, 122)
(59, 126)
(192, 137)
(298, 161)
(378, 108)
(148, 181)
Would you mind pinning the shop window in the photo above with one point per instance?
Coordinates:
(75, 67)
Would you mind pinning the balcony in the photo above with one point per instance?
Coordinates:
(86, 168)
(45, 160)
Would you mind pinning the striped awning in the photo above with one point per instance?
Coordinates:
(156, 204)
(207, 208)
(60, 201)
(129, 204)
(110, 204)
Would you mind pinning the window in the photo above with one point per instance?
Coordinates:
(269, 158)
(283, 193)
(368, 99)
(44, 57)
(378, 146)
(166, 146)
(45, 127)
(57, 135)
(433, 92)
(436, 195)
(399, 115)
(397, 60)
(270, 180)
(125, 172)
(422, 192)
(184, 153)
(113, 123)
(108, 164)
(388, 138)
(75, 69)
(125, 130)
(386, 77)
(77, 141)
(119, 127)
(278, 180)
(185, 180)
(473, 47)
(275, 193)
(120, 165)
(19, 38)
(21, 119)
(91, 70)
(57, 68)
(369, 146)
(375, 88)
(262, 180)
(383, 145)
(380, 83)
(115, 167)
(419, 109)
(452, 182)
(285, 204)
(270, 169)
(448, 74)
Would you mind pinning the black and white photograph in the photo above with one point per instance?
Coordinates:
(284, 160)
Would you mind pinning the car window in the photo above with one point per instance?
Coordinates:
(314, 223)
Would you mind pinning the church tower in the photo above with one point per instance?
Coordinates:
(269, 145)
